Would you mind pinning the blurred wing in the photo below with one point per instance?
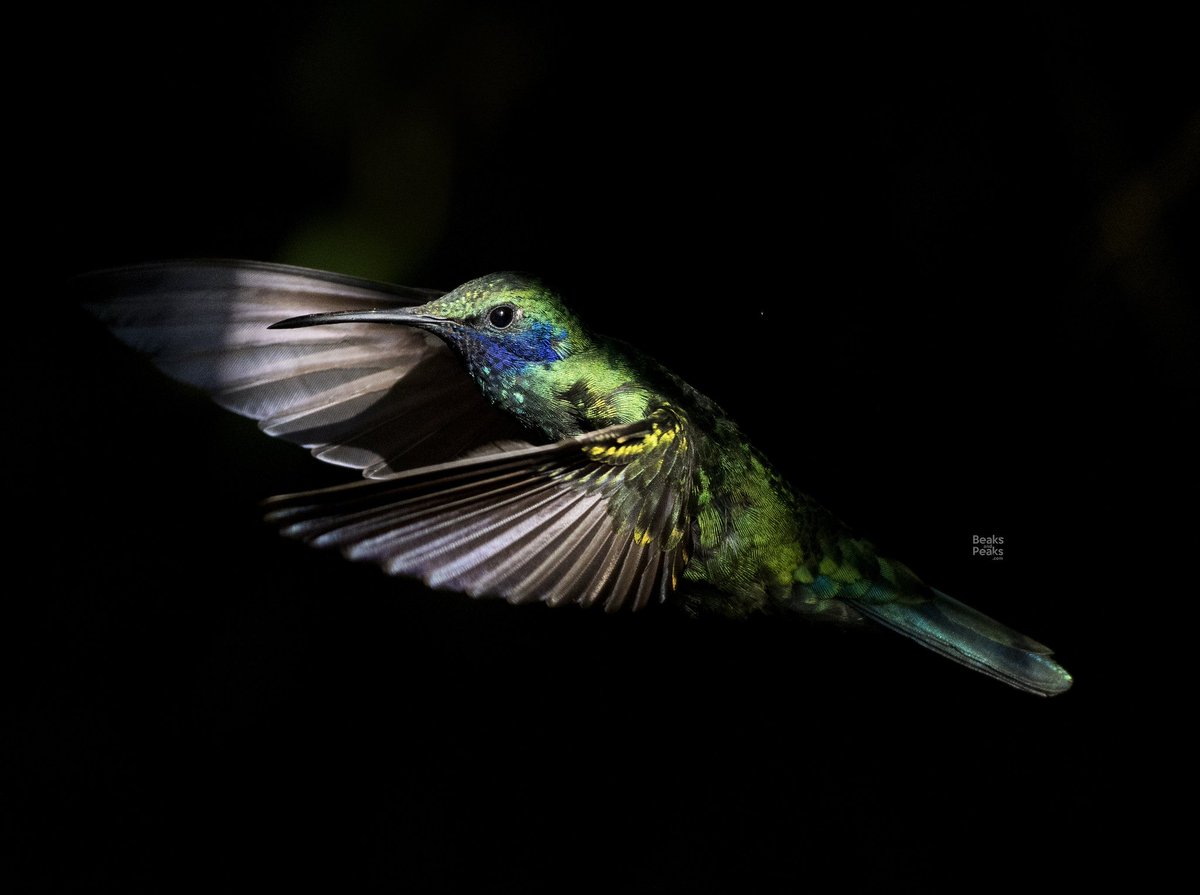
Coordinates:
(603, 517)
(373, 397)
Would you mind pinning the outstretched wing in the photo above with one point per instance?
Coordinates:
(599, 518)
(372, 397)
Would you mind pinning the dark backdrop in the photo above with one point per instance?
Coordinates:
(940, 266)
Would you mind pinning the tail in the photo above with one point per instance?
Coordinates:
(959, 632)
(853, 580)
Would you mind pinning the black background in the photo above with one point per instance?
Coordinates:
(942, 269)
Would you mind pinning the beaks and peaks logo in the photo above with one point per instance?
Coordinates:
(987, 546)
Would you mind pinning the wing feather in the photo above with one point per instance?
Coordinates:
(373, 397)
(588, 520)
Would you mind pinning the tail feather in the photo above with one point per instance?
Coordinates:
(971, 638)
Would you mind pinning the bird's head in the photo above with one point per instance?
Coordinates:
(504, 325)
(509, 330)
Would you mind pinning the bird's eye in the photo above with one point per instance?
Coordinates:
(501, 316)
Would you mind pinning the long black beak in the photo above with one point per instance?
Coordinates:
(402, 316)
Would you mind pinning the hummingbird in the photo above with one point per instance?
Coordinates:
(508, 451)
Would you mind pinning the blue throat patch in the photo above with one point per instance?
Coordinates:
(513, 353)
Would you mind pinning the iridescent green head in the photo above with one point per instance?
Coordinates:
(505, 326)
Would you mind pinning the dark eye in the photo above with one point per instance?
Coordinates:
(500, 316)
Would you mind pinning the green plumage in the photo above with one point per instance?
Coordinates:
(587, 473)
